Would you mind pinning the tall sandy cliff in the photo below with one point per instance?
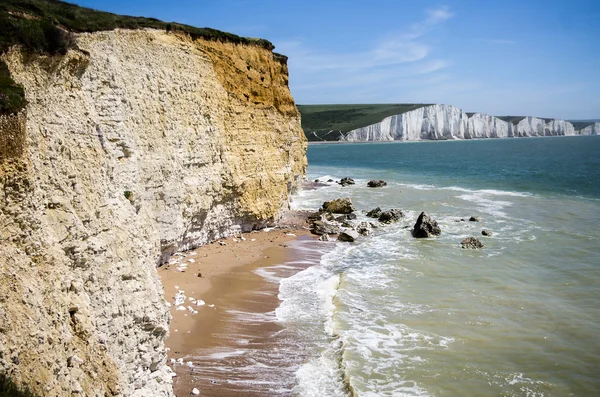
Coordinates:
(442, 122)
(139, 144)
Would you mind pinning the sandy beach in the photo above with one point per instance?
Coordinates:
(219, 280)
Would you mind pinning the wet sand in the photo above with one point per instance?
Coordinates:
(229, 347)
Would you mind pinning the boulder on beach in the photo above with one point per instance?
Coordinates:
(425, 227)
(374, 213)
(348, 235)
(339, 206)
(321, 227)
(486, 232)
(390, 216)
(346, 181)
(473, 219)
(471, 243)
(376, 183)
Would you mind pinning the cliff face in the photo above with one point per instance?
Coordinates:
(141, 145)
(440, 122)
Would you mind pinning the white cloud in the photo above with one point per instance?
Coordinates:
(397, 57)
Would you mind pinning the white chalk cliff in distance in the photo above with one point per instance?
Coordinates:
(443, 122)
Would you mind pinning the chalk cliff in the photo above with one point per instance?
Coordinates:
(441, 122)
(138, 145)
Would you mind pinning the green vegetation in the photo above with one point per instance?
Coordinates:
(128, 195)
(579, 125)
(9, 389)
(511, 119)
(45, 26)
(329, 122)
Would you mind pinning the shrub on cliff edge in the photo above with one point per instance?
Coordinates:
(9, 389)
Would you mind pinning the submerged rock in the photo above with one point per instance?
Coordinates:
(471, 243)
(339, 206)
(348, 235)
(390, 216)
(473, 219)
(376, 183)
(486, 232)
(425, 227)
(374, 213)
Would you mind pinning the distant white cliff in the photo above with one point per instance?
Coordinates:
(443, 122)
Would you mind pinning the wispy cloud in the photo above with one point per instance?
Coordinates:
(394, 57)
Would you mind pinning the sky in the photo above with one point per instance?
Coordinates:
(501, 57)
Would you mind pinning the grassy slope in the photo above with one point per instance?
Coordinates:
(329, 122)
(42, 26)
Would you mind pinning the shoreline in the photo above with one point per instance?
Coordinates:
(207, 337)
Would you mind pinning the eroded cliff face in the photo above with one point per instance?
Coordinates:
(441, 122)
(141, 145)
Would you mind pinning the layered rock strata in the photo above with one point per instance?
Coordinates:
(138, 145)
(443, 122)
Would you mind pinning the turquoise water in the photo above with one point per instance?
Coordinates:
(395, 316)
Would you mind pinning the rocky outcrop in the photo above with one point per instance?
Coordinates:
(425, 227)
(376, 183)
(348, 235)
(471, 243)
(339, 206)
(443, 122)
(390, 216)
(140, 145)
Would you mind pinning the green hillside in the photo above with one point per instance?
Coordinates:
(45, 26)
(329, 122)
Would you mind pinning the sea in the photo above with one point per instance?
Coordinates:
(392, 315)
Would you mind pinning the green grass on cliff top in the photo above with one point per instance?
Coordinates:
(343, 118)
(44, 26)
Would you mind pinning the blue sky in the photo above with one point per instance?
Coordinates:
(502, 57)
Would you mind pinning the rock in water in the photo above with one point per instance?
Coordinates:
(473, 219)
(339, 206)
(351, 216)
(425, 227)
(346, 181)
(376, 183)
(348, 235)
(390, 216)
(486, 232)
(374, 213)
(324, 237)
(364, 228)
(471, 242)
(321, 227)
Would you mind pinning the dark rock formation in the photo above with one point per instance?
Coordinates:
(473, 219)
(471, 242)
(339, 206)
(324, 237)
(348, 235)
(425, 227)
(390, 216)
(486, 232)
(376, 183)
(374, 213)
(346, 181)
